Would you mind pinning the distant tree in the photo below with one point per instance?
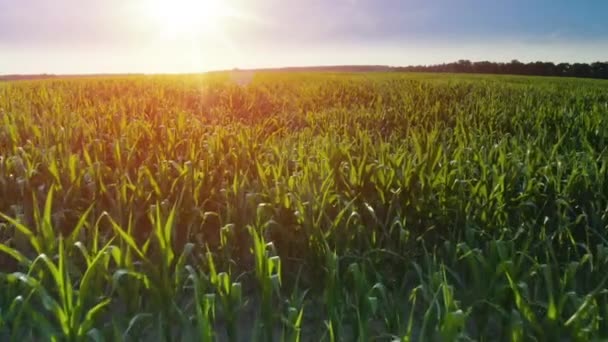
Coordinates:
(581, 70)
(600, 70)
(562, 69)
(515, 67)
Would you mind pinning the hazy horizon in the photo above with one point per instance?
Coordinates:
(162, 36)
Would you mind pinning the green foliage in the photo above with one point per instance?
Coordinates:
(337, 207)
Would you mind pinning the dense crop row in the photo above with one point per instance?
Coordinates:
(304, 206)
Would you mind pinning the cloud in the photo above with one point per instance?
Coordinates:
(64, 22)
(290, 32)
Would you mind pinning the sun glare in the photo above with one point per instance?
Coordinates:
(189, 17)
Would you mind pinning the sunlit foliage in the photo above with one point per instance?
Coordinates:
(329, 207)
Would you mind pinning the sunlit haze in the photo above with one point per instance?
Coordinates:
(152, 36)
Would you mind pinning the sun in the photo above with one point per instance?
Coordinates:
(189, 17)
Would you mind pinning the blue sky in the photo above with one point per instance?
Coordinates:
(73, 36)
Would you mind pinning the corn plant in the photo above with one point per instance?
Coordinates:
(413, 207)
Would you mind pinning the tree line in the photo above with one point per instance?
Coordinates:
(515, 67)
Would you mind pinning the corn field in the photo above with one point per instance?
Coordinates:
(304, 207)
